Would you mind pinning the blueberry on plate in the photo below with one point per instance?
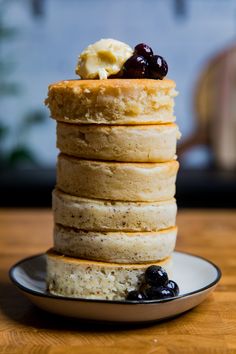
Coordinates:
(173, 286)
(158, 67)
(136, 295)
(156, 275)
(158, 293)
(144, 50)
(135, 67)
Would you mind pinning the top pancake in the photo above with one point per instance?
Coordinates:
(112, 101)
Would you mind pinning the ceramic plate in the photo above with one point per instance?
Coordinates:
(196, 277)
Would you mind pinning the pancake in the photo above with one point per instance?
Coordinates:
(116, 101)
(100, 215)
(143, 143)
(116, 180)
(117, 247)
(72, 277)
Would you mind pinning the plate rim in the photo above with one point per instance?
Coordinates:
(123, 302)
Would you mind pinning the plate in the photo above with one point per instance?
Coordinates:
(196, 277)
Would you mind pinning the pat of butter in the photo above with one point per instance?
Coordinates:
(103, 59)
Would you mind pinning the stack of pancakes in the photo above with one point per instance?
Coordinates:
(114, 206)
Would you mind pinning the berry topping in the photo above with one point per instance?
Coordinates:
(154, 286)
(135, 67)
(158, 293)
(144, 50)
(135, 295)
(156, 275)
(158, 67)
(173, 286)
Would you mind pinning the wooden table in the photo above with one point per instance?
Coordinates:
(209, 328)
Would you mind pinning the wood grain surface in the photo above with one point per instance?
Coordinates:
(209, 328)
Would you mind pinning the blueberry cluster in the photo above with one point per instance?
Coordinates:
(156, 286)
(144, 64)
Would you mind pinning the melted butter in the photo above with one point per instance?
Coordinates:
(103, 59)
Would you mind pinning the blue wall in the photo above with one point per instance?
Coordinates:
(46, 49)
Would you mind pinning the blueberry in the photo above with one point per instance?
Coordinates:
(156, 275)
(144, 50)
(136, 295)
(158, 67)
(135, 67)
(173, 286)
(158, 293)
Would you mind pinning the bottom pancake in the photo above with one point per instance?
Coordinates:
(78, 278)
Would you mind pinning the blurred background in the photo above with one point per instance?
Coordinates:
(39, 43)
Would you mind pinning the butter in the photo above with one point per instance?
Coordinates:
(103, 59)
